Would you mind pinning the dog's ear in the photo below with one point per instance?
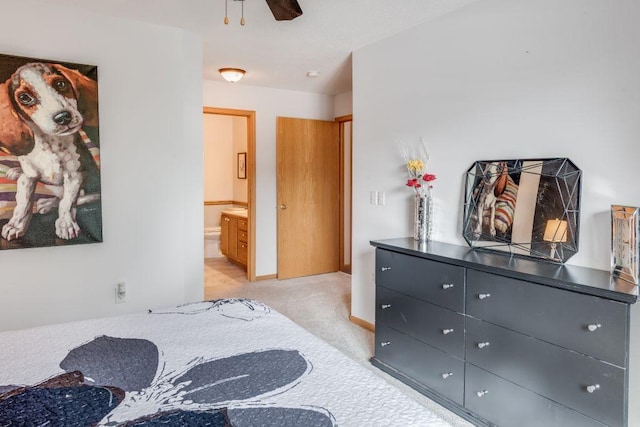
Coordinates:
(87, 92)
(501, 182)
(15, 136)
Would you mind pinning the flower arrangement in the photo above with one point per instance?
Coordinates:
(415, 161)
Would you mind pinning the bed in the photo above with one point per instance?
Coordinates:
(230, 362)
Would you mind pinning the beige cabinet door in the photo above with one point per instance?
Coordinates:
(229, 236)
(307, 161)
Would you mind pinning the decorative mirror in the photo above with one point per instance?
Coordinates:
(527, 208)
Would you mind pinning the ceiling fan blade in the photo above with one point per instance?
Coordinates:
(284, 10)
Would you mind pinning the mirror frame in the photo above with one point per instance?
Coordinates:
(534, 203)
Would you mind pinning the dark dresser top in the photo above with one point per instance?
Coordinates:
(578, 279)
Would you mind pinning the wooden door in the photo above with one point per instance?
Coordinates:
(224, 235)
(308, 178)
(229, 236)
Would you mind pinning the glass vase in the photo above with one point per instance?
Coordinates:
(423, 217)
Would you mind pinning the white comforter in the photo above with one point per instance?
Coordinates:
(227, 362)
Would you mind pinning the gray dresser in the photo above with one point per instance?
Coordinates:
(507, 341)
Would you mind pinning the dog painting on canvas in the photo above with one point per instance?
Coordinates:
(49, 168)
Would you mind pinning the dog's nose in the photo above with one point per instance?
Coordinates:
(62, 118)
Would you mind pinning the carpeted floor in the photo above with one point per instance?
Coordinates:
(321, 304)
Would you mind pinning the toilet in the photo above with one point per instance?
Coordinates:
(212, 242)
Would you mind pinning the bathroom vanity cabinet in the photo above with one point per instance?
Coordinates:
(234, 238)
(507, 341)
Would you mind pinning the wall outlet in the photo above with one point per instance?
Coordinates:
(121, 293)
(381, 198)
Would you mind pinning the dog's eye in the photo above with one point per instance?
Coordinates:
(61, 85)
(26, 99)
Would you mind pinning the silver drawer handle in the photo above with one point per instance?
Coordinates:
(385, 343)
(482, 393)
(447, 286)
(385, 268)
(483, 344)
(447, 331)
(592, 388)
(385, 306)
(446, 375)
(483, 296)
(594, 327)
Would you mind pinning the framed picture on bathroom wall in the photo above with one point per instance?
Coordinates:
(242, 165)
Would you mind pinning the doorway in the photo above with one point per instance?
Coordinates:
(242, 166)
(346, 136)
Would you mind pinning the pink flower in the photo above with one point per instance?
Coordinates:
(412, 183)
(428, 177)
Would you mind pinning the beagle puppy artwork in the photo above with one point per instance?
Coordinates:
(491, 186)
(44, 108)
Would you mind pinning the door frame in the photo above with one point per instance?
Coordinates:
(251, 179)
(346, 268)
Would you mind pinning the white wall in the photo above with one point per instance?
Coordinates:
(151, 152)
(219, 165)
(224, 138)
(189, 93)
(343, 104)
(268, 104)
(499, 79)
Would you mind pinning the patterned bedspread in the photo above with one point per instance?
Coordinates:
(229, 362)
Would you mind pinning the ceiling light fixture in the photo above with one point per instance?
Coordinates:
(232, 75)
(226, 14)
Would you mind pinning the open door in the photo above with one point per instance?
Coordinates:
(308, 186)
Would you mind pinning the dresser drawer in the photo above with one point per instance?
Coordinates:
(242, 236)
(440, 327)
(421, 362)
(554, 372)
(436, 282)
(555, 315)
(505, 404)
(243, 225)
